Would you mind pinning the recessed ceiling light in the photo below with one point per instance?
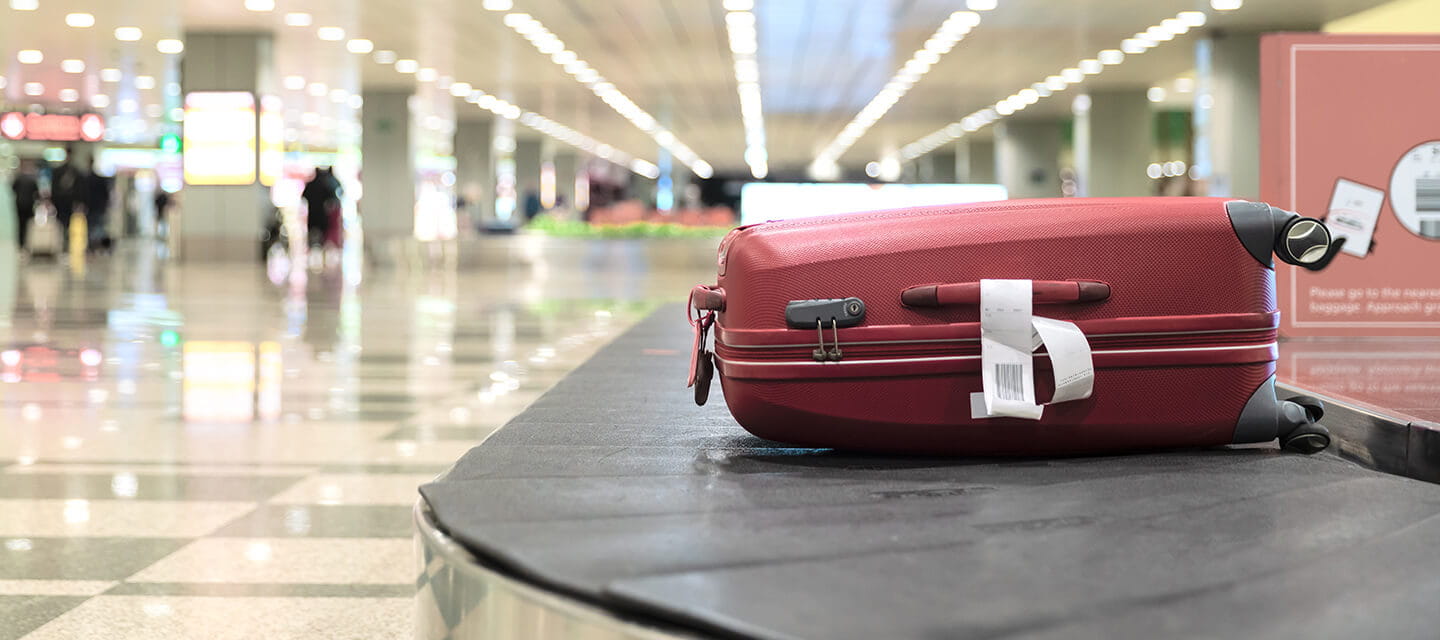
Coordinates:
(25, 5)
(34, 89)
(298, 19)
(1072, 75)
(80, 20)
(110, 75)
(260, 5)
(1218, 5)
(739, 5)
(145, 82)
(407, 66)
(72, 66)
(1133, 46)
(69, 95)
(427, 75)
(99, 101)
(1156, 94)
(1090, 66)
(318, 89)
(330, 34)
(461, 89)
(170, 46)
(1111, 56)
(1192, 18)
(385, 56)
(128, 34)
(294, 83)
(30, 56)
(980, 5)
(498, 5)
(359, 45)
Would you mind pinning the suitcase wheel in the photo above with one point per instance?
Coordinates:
(1307, 439)
(1306, 435)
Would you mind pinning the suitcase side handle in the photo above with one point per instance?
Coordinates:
(1045, 292)
(707, 298)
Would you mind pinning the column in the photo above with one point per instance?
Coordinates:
(942, 166)
(221, 222)
(1227, 114)
(388, 208)
(474, 174)
(975, 161)
(567, 165)
(1115, 139)
(1027, 157)
(527, 173)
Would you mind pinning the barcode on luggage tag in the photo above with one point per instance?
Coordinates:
(1009, 381)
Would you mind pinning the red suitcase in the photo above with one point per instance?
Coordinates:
(862, 331)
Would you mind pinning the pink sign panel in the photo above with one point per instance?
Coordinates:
(1350, 134)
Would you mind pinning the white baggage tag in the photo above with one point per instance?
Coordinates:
(1004, 318)
(1007, 365)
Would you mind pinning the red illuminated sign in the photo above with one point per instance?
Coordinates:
(54, 127)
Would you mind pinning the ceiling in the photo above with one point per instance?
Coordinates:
(820, 61)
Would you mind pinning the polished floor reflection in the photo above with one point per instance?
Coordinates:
(207, 451)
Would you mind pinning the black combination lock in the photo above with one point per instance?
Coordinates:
(830, 312)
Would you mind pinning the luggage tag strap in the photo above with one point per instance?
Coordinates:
(1009, 336)
(702, 365)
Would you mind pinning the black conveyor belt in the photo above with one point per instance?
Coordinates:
(616, 489)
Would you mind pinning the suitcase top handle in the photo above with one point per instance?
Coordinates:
(1044, 292)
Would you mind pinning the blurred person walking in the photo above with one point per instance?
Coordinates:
(97, 210)
(67, 184)
(322, 200)
(26, 186)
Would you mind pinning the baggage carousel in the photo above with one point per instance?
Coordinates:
(616, 508)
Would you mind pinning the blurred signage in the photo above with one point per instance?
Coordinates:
(219, 138)
(272, 139)
(761, 201)
(1349, 135)
(52, 127)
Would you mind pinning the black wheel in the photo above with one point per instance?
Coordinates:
(1314, 407)
(1307, 439)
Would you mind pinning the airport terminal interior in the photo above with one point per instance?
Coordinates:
(373, 319)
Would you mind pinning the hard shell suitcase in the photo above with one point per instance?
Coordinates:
(863, 331)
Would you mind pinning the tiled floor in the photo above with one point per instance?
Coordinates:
(195, 451)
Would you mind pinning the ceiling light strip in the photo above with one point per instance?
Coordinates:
(951, 32)
(549, 44)
(1141, 42)
(744, 44)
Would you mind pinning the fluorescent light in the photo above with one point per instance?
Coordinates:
(128, 34)
(1156, 94)
(1218, 5)
(145, 82)
(34, 89)
(385, 56)
(739, 5)
(1174, 25)
(298, 19)
(30, 56)
(498, 5)
(294, 83)
(1072, 75)
(1056, 83)
(260, 5)
(330, 34)
(1192, 18)
(1159, 34)
(980, 5)
(1090, 66)
(1111, 56)
(110, 75)
(1184, 85)
(69, 95)
(24, 5)
(72, 66)
(169, 46)
(406, 66)
(1133, 46)
(80, 20)
(359, 45)
(461, 89)
(99, 101)
(427, 75)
